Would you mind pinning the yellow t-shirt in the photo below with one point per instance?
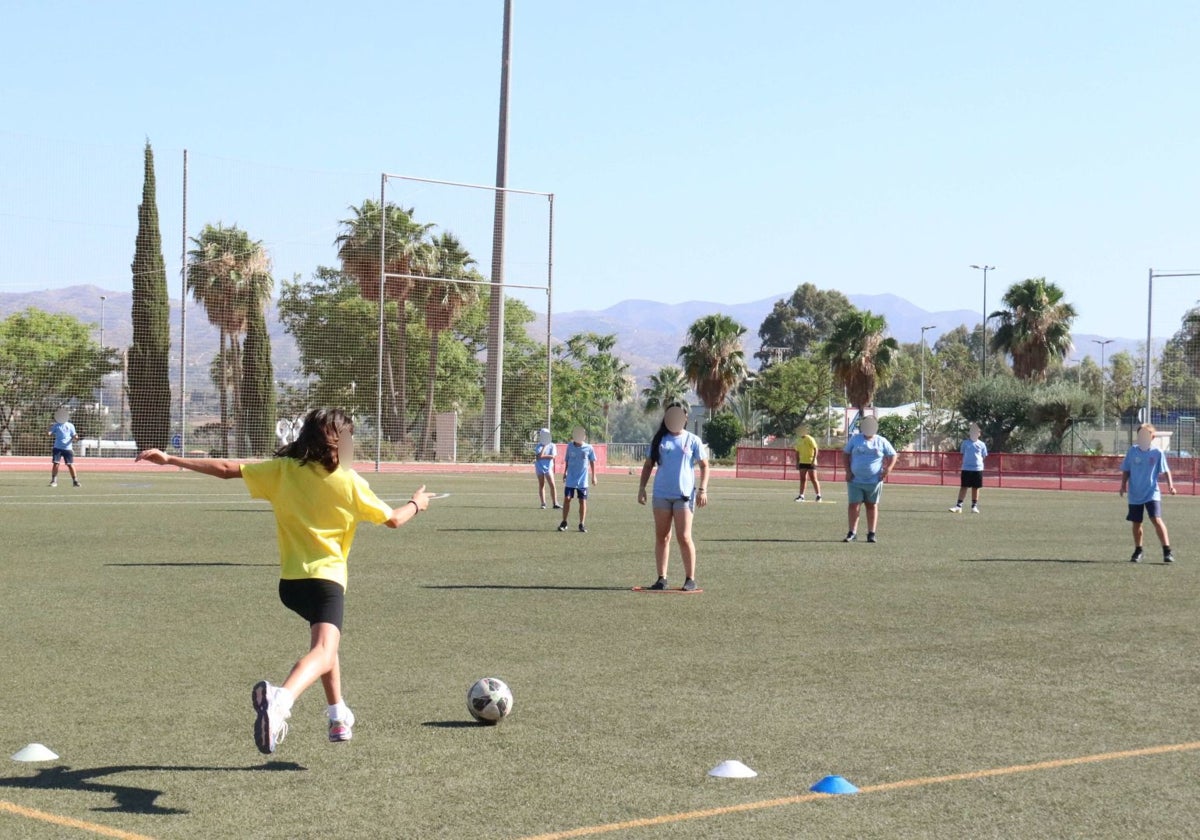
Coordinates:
(806, 450)
(316, 514)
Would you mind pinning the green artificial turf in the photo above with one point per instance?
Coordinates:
(140, 609)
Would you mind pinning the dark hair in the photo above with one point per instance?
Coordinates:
(312, 444)
(656, 441)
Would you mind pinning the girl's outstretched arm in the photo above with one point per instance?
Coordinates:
(215, 467)
(418, 502)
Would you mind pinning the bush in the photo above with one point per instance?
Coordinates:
(722, 432)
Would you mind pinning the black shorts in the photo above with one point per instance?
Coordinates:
(971, 478)
(316, 601)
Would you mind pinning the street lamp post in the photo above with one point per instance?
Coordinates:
(983, 350)
(1103, 342)
(923, 331)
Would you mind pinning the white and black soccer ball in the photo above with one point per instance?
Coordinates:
(489, 700)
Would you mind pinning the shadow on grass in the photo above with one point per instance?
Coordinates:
(1031, 560)
(532, 586)
(129, 800)
(762, 540)
(496, 530)
(453, 724)
(189, 565)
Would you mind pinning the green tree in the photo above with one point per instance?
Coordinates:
(442, 298)
(666, 386)
(860, 354)
(903, 384)
(899, 430)
(256, 425)
(1058, 407)
(722, 432)
(45, 361)
(713, 359)
(589, 379)
(148, 379)
(1126, 384)
(359, 247)
(792, 392)
(1000, 405)
(797, 325)
(1034, 328)
(229, 275)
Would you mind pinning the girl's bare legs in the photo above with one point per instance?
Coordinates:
(321, 662)
(542, 489)
(553, 490)
(683, 535)
(662, 539)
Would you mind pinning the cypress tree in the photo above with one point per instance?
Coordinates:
(257, 423)
(149, 382)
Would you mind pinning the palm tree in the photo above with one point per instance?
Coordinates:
(667, 386)
(860, 355)
(230, 276)
(713, 359)
(1035, 327)
(610, 375)
(359, 251)
(443, 296)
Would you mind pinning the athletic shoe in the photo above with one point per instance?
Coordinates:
(974, 508)
(562, 526)
(74, 483)
(871, 537)
(800, 498)
(956, 509)
(341, 730)
(543, 505)
(558, 507)
(582, 530)
(1168, 556)
(659, 584)
(53, 483)
(270, 724)
(1137, 555)
(818, 497)
(850, 537)
(689, 585)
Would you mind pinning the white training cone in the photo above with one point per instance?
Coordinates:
(34, 752)
(732, 769)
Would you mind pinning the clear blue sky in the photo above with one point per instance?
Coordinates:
(697, 150)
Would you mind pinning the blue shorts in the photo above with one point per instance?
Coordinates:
(571, 492)
(1153, 508)
(869, 493)
(67, 455)
(542, 467)
(674, 503)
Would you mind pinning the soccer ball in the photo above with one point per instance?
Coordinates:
(489, 700)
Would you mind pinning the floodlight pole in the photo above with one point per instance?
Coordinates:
(100, 433)
(1103, 342)
(983, 349)
(923, 330)
(1151, 274)
(494, 386)
(183, 317)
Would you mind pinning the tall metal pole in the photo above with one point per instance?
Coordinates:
(1149, 315)
(100, 433)
(494, 387)
(382, 301)
(923, 330)
(183, 317)
(1103, 344)
(983, 349)
(549, 311)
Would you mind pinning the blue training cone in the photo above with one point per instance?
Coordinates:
(833, 784)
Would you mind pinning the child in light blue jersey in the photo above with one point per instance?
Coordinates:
(1140, 471)
(675, 452)
(543, 467)
(578, 475)
(973, 451)
(868, 458)
(62, 432)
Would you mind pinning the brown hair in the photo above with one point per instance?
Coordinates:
(317, 441)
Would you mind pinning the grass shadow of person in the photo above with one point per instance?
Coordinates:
(129, 799)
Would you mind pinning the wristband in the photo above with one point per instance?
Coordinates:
(416, 506)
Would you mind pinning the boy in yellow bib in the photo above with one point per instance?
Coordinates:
(318, 502)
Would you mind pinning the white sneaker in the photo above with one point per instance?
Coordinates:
(974, 508)
(956, 509)
(341, 730)
(270, 723)
(53, 483)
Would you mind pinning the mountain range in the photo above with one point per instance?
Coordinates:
(649, 333)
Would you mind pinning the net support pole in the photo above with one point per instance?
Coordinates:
(494, 387)
(183, 315)
(382, 299)
(549, 311)
(1149, 327)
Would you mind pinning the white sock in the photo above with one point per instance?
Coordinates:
(283, 699)
(338, 710)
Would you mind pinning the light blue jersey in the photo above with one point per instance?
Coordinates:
(1144, 468)
(579, 455)
(677, 459)
(866, 457)
(63, 434)
(973, 453)
(545, 458)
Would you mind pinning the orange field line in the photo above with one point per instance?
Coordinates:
(1053, 764)
(70, 822)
